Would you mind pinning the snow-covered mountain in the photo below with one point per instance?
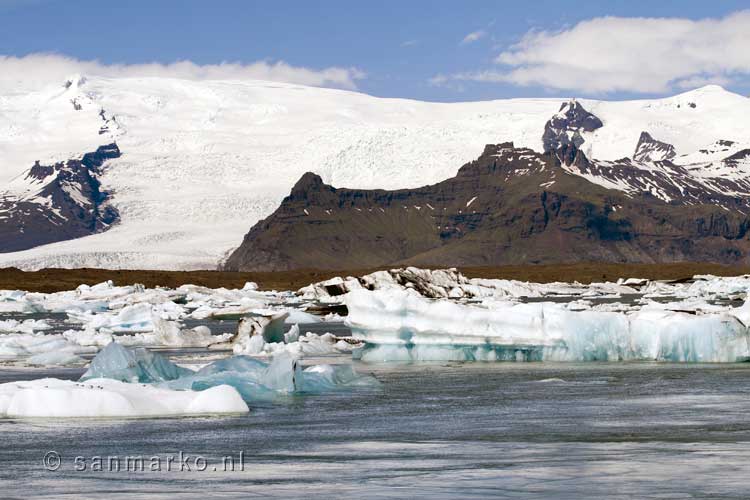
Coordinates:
(202, 161)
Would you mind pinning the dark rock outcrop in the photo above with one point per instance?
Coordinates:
(564, 129)
(739, 158)
(510, 206)
(62, 201)
(649, 149)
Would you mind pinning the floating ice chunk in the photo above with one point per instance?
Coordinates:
(228, 311)
(165, 334)
(300, 346)
(449, 283)
(324, 378)
(283, 373)
(168, 333)
(292, 335)
(33, 347)
(12, 301)
(253, 378)
(254, 331)
(55, 358)
(260, 381)
(404, 326)
(135, 318)
(26, 326)
(132, 365)
(88, 337)
(295, 316)
(112, 398)
(742, 313)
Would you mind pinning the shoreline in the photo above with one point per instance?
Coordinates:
(55, 280)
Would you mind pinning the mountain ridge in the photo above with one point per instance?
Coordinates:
(510, 206)
(207, 160)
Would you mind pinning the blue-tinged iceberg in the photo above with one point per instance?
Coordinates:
(403, 326)
(132, 365)
(254, 379)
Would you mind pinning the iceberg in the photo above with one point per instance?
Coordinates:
(401, 325)
(326, 378)
(253, 379)
(450, 283)
(111, 398)
(134, 318)
(40, 349)
(165, 334)
(14, 301)
(55, 358)
(254, 331)
(132, 365)
(26, 326)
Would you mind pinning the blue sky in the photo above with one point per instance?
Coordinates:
(414, 49)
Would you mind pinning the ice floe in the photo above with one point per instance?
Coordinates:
(132, 365)
(450, 283)
(256, 380)
(402, 325)
(41, 349)
(111, 398)
(24, 326)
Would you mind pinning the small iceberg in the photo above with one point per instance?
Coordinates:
(111, 398)
(254, 379)
(137, 365)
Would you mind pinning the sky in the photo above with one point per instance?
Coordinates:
(429, 50)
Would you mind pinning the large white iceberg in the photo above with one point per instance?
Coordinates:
(112, 398)
(402, 325)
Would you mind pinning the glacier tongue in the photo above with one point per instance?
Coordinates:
(401, 325)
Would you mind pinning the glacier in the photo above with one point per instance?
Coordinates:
(193, 175)
(401, 325)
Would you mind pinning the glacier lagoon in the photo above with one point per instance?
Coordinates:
(434, 430)
(449, 428)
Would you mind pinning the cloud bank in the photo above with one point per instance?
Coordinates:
(613, 54)
(41, 69)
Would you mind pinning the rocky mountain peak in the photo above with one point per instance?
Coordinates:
(62, 201)
(649, 149)
(567, 126)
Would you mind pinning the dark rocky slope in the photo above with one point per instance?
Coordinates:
(510, 206)
(61, 202)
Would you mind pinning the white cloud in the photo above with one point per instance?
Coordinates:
(700, 81)
(45, 68)
(473, 37)
(439, 80)
(610, 54)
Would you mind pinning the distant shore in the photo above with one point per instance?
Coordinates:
(53, 280)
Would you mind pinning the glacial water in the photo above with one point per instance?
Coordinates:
(433, 430)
